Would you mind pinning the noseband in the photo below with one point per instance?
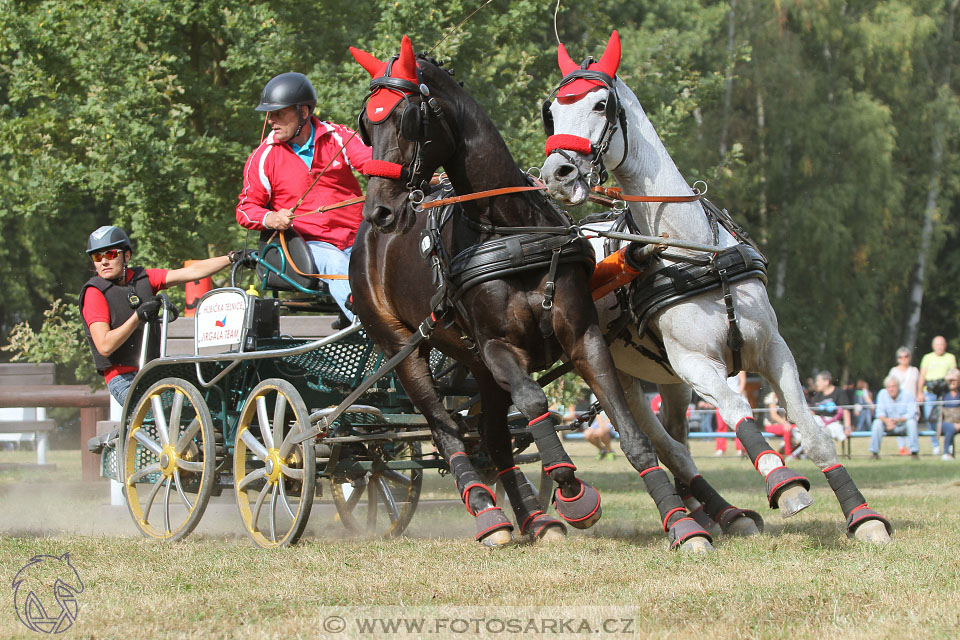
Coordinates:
(615, 115)
(414, 121)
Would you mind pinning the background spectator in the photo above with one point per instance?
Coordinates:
(950, 412)
(908, 376)
(775, 422)
(599, 434)
(862, 405)
(896, 414)
(832, 404)
(933, 366)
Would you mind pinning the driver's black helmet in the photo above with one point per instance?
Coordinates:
(285, 90)
(107, 237)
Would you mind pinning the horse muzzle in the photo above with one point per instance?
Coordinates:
(564, 179)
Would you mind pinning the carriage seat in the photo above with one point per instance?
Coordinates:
(271, 252)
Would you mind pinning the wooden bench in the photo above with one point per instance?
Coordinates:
(24, 421)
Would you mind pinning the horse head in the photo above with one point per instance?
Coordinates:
(403, 119)
(582, 119)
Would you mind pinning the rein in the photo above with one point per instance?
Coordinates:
(480, 194)
(617, 194)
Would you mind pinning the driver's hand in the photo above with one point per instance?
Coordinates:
(280, 220)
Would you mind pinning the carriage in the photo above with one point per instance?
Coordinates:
(239, 416)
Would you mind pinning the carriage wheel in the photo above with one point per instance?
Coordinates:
(169, 459)
(274, 480)
(380, 503)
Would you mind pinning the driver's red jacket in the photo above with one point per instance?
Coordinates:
(274, 178)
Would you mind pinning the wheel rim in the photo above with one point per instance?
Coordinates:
(274, 480)
(169, 460)
(380, 503)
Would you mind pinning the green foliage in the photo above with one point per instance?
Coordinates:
(60, 340)
(567, 391)
(140, 114)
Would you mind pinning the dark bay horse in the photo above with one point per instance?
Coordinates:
(503, 284)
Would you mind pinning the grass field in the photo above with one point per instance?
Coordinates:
(801, 579)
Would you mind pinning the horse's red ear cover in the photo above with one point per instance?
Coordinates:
(383, 100)
(608, 64)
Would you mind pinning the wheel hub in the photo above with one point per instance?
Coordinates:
(272, 466)
(168, 460)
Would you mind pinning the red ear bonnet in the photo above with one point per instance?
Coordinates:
(609, 62)
(383, 100)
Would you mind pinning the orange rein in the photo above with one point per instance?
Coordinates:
(286, 253)
(617, 194)
(480, 194)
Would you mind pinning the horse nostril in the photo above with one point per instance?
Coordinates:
(382, 216)
(565, 170)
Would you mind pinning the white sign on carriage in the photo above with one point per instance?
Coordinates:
(219, 319)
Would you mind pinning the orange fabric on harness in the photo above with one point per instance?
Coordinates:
(611, 273)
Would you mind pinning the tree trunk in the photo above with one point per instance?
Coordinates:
(912, 327)
(728, 92)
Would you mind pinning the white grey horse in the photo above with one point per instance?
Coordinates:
(595, 122)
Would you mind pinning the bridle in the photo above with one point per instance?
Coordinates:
(615, 116)
(414, 121)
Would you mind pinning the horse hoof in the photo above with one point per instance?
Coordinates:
(582, 510)
(553, 533)
(793, 500)
(499, 538)
(743, 526)
(697, 544)
(741, 522)
(872, 531)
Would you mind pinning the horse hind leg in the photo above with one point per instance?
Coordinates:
(684, 532)
(533, 522)
(493, 528)
(862, 522)
(705, 504)
(577, 502)
(524, 500)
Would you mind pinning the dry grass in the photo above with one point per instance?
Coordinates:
(801, 579)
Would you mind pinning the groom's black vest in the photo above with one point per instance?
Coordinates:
(119, 302)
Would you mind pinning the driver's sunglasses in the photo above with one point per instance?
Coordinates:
(109, 254)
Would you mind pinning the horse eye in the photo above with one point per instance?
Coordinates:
(600, 106)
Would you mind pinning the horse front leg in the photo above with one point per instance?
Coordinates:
(705, 504)
(493, 528)
(863, 523)
(592, 360)
(576, 501)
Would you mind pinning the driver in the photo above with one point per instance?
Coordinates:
(119, 299)
(306, 164)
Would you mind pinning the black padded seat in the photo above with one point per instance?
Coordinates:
(299, 253)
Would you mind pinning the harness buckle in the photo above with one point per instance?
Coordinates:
(548, 291)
